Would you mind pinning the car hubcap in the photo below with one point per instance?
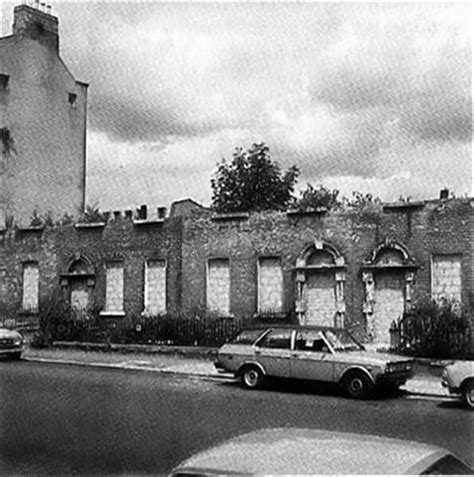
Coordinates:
(470, 396)
(357, 385)
(251, 378)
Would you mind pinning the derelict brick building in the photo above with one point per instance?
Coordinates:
(358, 268)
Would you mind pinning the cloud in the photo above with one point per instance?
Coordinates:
(361, 92)
(414, 63)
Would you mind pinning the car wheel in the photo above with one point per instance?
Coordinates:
(357, 385)
(468, 394)
(252, 377)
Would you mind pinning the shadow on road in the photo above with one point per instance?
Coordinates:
(455, 404)
(289, 386)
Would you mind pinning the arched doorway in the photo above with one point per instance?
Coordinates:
(320, 277)
(77, 282)
(388, 276)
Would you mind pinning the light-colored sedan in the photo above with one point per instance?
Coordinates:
(11, 343)
(292, 451)
(311, 353)
(458, 377)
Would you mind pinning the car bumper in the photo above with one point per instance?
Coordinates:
(451, 389)
(11, 350)
(397, 378)
(220, 368)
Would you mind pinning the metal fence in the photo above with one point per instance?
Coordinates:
(157, 331)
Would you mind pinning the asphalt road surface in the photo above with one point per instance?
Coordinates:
(59, 419)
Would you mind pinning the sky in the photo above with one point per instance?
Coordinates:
(373, 97)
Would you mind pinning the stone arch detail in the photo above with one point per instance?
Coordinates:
(320, 246)
(390, 246)
(320, 258)
(79, 265)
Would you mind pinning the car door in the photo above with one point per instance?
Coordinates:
(311, 357)
(272, 351)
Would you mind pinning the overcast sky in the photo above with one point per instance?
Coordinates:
(374, 97)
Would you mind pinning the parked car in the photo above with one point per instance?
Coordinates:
(11, 343)
(458, 377)
(311, 353)
(293, 451)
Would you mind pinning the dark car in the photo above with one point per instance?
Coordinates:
(11, 343)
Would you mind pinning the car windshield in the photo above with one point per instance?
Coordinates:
(341, 340)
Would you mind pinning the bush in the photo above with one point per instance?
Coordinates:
(435, 330)
(59, 322)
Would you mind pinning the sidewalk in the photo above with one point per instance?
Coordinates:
(422, 384)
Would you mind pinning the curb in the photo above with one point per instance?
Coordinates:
(127, 367)
(170, 372)
(191, 351)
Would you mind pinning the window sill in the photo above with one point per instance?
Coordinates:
(89, 225)
(28, 312)
(223, 216)
(308, 211)
(31, 228)
(148, 314)
(148, 222)
(112, 313)
(277, 315)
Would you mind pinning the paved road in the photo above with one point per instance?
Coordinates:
(67, 419)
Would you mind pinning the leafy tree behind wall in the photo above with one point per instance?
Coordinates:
(252, 181)
(318, 197)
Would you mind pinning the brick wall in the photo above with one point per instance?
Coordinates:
(186, 244)
(121, 241)
(423, 230)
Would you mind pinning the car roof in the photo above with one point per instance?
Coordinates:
(312, 451)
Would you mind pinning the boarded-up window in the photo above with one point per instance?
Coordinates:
(218, 285)
(114, 287)
(3, 285)
(155, 287)
(446, 277)
(30, 287)
(3, 221)
(270, 285)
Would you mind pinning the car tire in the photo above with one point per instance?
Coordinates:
(252, 377)
(15, 356)
(357, 385)
(467, 393)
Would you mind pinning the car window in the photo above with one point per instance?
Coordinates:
(247, 337)
(310, 341)
(276, 339)
(341, 340)
(448, 465)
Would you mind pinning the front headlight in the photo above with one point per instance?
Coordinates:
(17, 340)
(388, 369)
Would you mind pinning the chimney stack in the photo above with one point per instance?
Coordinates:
(37, 23)
(444, 194)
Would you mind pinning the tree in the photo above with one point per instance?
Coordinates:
(362, 200)
(315, 198)
(252, 181)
